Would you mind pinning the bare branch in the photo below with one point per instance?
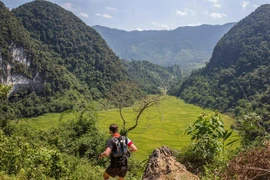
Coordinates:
(122, 117)
(261, 172)
(145, 104)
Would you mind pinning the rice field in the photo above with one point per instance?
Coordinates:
(161, 125)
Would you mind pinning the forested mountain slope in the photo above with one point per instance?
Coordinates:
(52, 60)
(237, 78)
(153, 78)
(79, 47)
(14, 39)
(38, 83)
(189, 47)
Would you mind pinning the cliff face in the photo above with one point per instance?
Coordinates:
(18, 80)
(162, 165)
(16, 57)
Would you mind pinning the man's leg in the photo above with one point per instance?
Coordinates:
(121, 178)
(106, 176)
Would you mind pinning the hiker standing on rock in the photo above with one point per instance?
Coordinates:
(118, 147)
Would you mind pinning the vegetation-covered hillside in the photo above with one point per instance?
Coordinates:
(237, 78)
(13, 35)
(153, 78)
(189, 47)
(38, 84)
(79, 47)
(60, 62)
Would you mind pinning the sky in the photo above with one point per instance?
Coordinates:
(139, 15)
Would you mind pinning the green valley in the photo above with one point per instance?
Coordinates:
(61, 86)
(161, 125)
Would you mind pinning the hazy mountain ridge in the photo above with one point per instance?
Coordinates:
(237, 78)
(184, 46)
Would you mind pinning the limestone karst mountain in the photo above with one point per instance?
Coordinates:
(52, 59)
(75, 45)
(17, 59)
(237, 78)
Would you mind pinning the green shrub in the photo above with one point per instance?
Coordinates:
(208, 141)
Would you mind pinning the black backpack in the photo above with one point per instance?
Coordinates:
(120, 147)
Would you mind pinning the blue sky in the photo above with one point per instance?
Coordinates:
(154, 14)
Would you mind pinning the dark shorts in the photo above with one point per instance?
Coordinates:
(120, 172)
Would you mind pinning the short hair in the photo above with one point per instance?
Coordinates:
(113, 128)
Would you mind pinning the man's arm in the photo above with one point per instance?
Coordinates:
(132, 148)
(106, 153)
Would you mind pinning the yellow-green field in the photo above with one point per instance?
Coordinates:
(161, 125)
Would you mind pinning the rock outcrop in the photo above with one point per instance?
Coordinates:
(18, 81)
(162, 165)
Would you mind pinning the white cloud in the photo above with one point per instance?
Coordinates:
(244, 4)
(181, 13)
(198, 24)
(161, 25)
(112, 9)
(185, 12)
(107, 16)
(68, 6)
(217, 5)
(217, 15)
(84, 15)
(139, 29)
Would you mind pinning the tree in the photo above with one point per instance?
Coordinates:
(124, 94)
(4, 91)
(142, 106)
(250, 129)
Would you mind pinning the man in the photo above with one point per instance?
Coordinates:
(118, 165)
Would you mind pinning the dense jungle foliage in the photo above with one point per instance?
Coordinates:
(59, 88)
(237, 78)
(12, 33)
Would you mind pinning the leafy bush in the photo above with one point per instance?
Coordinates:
(61, 153)
(251, 129)
(79, 137)
(208, 141)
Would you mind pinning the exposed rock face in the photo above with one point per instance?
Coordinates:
(18, 81)
(162, 165)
